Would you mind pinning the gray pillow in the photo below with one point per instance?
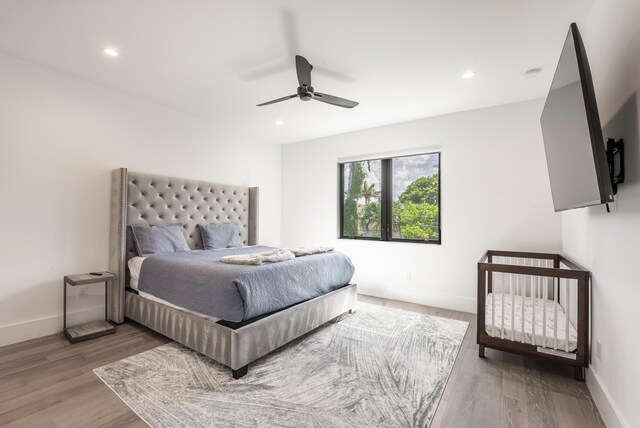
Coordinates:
(159, 239)
(225, 235)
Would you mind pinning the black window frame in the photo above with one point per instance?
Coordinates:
(386, 201)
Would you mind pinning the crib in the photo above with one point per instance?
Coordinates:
(534, 304)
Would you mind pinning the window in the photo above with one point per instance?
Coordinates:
(391, 199)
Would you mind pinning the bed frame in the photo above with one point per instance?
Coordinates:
(548, 277)
(155, 200)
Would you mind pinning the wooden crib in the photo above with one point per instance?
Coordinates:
(534, 304)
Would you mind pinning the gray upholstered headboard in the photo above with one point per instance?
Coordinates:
(154, 200)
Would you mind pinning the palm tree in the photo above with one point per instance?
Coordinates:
(368, 192)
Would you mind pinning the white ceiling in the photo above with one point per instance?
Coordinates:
(401, 60)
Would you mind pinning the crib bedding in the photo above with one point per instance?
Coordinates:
(543, 337)
(197, 281)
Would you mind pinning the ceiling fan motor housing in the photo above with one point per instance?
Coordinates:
(305, 93)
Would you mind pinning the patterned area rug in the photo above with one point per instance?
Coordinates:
(378, 367)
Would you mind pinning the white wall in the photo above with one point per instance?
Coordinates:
(495, 195)
(609, 244)
(59, 139)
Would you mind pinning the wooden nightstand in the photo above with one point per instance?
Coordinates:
(94, 328)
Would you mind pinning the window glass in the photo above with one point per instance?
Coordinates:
(416, 197)
(391, 199)
(361, 197)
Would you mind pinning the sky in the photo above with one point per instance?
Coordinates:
(405, 170)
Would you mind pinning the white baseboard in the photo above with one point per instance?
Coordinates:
(608, 410)
(445, 301)
(32, 329)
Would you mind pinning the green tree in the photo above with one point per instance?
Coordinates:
(424, 189)
(371, 216)
(415, 213)
(416, 221)
(353, 193)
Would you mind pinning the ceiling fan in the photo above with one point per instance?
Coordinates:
(306, 92)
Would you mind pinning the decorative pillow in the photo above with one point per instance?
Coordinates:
(159, 239)
(225, 235)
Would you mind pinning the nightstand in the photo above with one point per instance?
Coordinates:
(94, 328)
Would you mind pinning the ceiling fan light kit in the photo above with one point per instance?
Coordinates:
(306, 92)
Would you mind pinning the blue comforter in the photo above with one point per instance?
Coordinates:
(198, 281)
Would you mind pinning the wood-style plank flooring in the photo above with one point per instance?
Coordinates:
(48, 382)
(505, 390)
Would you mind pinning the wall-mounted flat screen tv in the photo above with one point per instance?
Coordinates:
(573, 141)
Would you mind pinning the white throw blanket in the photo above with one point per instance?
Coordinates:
(307, 251)
(273, 256)
(256, 259)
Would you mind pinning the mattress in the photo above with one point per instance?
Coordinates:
(199, 282)
(135, 265)
(543, 336)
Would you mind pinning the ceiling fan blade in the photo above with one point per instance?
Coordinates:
(288, 97)
(303, 68)
(333, 100)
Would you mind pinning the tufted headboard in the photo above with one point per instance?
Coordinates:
(153, 200)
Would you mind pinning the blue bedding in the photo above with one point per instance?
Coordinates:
(198, 281)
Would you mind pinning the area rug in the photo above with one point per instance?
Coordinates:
(379, 367)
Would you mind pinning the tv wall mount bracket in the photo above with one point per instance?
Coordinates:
(615, 160)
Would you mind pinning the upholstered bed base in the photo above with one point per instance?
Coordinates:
(236, 348)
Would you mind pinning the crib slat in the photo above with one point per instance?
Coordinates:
(545, 295)
(533, 314)
(539, 282)
(493, 307)
(535, 301)
(522, 293)
(518, 280)
(567, 284)
(555, 314)
(502, 295)
(513, 301)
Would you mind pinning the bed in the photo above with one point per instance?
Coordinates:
(239, 336)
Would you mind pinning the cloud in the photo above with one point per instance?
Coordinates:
(405, 171)
(408, 169)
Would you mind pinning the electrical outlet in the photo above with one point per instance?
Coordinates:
(408, 276)
(83, 293)
(599, 350)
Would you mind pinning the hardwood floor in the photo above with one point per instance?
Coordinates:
(505, 390)
(48, 382)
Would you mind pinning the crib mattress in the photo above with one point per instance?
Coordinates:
(542, 337)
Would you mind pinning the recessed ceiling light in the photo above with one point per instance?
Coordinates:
(533, 72)
(279, 122)
(468, 74)
(110, 51)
